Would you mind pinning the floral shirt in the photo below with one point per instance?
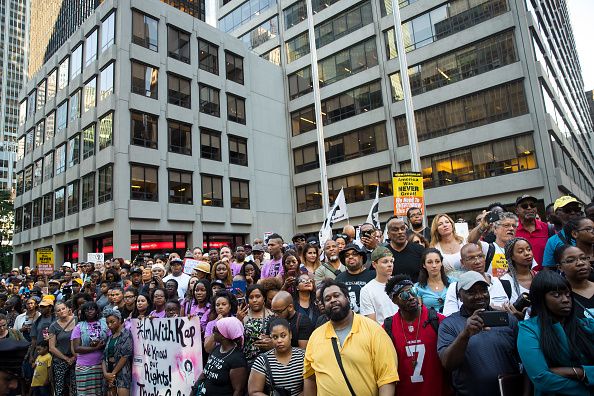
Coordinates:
(253, 328)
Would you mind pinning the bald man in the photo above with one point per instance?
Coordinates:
(301, 326)
(349, 231)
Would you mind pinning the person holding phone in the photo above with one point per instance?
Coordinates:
(475, 353)
(291, 264)
(255, 323)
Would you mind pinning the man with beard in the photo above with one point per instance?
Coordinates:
(238, 260)
(415, 219)
(332, 266)
(136, 278)
(353, 343)
(476, 355)
(532, 229)
(355, 276)
(413, 330)
(407, 255)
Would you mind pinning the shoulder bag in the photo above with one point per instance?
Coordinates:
(339, 361)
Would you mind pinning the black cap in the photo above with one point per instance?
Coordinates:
(525, 197)
(13, 353)
(218, 282)
(299, 235)
(136, 270)
(351, 246)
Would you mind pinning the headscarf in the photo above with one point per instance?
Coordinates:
(231, 328)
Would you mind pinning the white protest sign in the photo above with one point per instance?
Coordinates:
(462, 229)
(189, 265)
(94, 257)
(167, 358)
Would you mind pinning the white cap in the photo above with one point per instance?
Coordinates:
(67, 264)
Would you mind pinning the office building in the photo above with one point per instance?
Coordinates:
(590, 99)
(13, 60)
(151, 132)
(497, 90)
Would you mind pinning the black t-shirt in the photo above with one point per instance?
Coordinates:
(301, 328)
(408, 261)
(582, 302)
(354, 284)
(217, 369)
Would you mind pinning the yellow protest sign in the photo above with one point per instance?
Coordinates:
(408, 191)
(45, 261)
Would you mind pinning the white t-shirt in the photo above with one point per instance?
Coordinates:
(182, 283)
(514, 292)
(374, 299)
(496, 292)
(21, 319)
(452, 263)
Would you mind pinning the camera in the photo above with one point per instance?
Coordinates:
(522, 302)
(366, 234)
(492, 217)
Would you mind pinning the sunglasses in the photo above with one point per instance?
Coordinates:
(405, 295)
(528, 205)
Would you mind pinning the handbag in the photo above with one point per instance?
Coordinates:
(339, 361)
(276, 391)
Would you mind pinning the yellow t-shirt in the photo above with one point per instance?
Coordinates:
(368, 357)
(42, 365)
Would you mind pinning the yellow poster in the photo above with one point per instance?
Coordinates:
(408, 192)
(45, 261)
(498, 265)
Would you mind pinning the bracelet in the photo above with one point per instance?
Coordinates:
(576, 373)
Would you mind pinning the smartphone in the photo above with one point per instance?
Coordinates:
(240, 285)
(494, 318)
(366, 234)
(303, 269)
(492, 217)
(241, 301)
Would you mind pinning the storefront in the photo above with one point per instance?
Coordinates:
(217, 241)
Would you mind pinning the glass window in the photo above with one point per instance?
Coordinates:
(210, 144)
(347, 62)
(48, 208)
(145, 30)
(30, 141)
(297, 47)
(41, 88)
(39, 129)
(38, 172)
(144, 129)
(348, 104)
(300, 82)
(108, 32)
(180, 187)
(88, 191)
(27, 211)
(52, 81)
(178, 44)
(306, 158)
(59, 203)
(145, 80)
(20, 183)
(309, 197)
(48, 166)
(208, 56)
(234, 67)
(303, 120)
(60, 159)
(74, 111)
(91, 47)
(31, 104)
(88, 141)
(62, 117)
(178, 91)
(238, 150)
(90, 94)
(76, 61)
(209, 100)
(240, 194)
(295, 13)
(72, 197)
(105, 131)
(180, 137)
(272, 56)
(212, 190)
(235, 109)
(50, 125)
(106, 81)
(143, 183)
(105, 184)
(73, 151)
(18, 220)
(63, 74)
(22, 112)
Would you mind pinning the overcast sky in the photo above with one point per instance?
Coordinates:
(581, 13)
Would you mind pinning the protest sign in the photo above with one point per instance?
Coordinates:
(408, 192)
(45, 261)
(167, 357)
(94, 257)
(189, 265)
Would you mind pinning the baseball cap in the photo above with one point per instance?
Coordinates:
(297, 236)
(67, 264)
(564, 200)
(468, 279)
(54, 281)
(218, 282)
(258, 248)
(380, 252)
(175, 261)
(78, 280)
(136, 270)
(47, 301)
(351, 246)
(158, 266)
(525, 197)
(203, 266)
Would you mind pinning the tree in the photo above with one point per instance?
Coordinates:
(6, 230)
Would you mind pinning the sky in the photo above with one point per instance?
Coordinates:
(581, 13)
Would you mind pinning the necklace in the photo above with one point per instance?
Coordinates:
(225, 354)
(411, 328)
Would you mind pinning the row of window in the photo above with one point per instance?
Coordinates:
(244, 13)
(353, 144)
(69, 68)
(357, 187)
(261, 33)
(479, 108)
(144, 186)
(76, 196)
(510, 155)
(563, 161)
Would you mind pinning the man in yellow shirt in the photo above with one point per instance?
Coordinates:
(365, 351)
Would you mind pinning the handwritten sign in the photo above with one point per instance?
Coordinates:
(189, 265)
(408, 192)
(167, 356)
(45, 261)
(94, 257)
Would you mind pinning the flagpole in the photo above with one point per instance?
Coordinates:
(317, 107)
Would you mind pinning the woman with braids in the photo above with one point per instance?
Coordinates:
(556, 347)
(519, 257)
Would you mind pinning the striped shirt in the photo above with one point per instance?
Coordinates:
(289, 377)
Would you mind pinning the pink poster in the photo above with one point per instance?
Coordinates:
(167, 357)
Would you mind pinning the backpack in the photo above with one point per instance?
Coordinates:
(489, 256)
(432, 320)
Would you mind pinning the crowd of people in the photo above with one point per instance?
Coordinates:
(508, 307)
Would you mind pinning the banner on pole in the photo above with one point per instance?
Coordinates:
(408, 192)
(338, 212)
(94, 257)
(45, 261)
(167, 357)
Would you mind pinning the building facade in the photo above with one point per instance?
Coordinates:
(152, 132)
(13, 61)
(497, 91)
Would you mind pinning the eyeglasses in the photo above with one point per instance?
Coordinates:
(573, 210)
(529, 205)
(303, 280)
(279, 312)
(587, 229)
(347, 255)
(573, 260)
(508, 225)
(129, 297)
(474, 259)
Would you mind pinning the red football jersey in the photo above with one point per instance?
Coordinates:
(419, 367)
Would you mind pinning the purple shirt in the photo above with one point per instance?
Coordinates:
(87, 359)
(235, 268)
(272, 268)
(156, 314)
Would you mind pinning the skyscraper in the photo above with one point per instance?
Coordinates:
(497, 89)
(13, 59)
